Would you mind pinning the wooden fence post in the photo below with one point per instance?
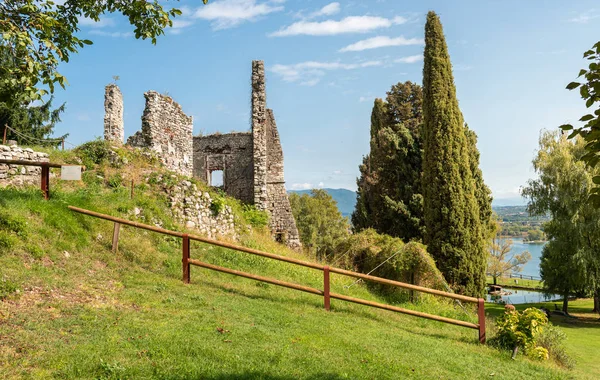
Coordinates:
(481, 318)
(45, 183)
(326, 285)
(115, 242)
(4, 137)
(185, 260)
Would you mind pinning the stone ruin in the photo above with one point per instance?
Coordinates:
(251, 162)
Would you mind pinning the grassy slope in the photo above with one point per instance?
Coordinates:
(83, 312)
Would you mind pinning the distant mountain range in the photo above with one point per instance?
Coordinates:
(346, 199)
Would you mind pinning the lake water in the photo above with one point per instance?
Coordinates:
(519, 296)
(532, 267)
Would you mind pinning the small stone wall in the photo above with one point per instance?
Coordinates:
(17, 174)
(113, 114)
(192, 207)
(231, 153)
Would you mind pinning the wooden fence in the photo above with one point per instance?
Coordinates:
(325, 293)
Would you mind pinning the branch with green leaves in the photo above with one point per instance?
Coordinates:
(590, 131)
(37, 35)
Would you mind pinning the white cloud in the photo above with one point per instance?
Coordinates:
(381, 41)
(352, 24)
(410, 59)
(111, 34)
(83, 116)
(337, 172)
(321, 185)
(179, 25)
(102, 23)
(302, 186)
(363, 99)
(328, 10)
(585, 17)
(230, 13)
(309, 73)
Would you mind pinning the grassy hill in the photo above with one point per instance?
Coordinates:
(71, 308)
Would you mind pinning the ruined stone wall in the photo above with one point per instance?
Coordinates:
(282, 222)
(113, 114)
(167, 130)
(231, 153)
(259, 117)
(192, 207)
(16, 174)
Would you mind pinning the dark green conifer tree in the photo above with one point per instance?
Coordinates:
(454, 233)
(389, 198)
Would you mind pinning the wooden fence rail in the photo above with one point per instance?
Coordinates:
(325, 293)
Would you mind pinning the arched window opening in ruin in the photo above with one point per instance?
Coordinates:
(216, 178)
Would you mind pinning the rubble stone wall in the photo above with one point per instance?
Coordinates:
(18, 174)
(167, 130)
(192, 207)
(231, 153)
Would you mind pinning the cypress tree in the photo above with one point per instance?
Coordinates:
(389, 198)
(451, 212)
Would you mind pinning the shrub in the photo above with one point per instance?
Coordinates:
(255, 217)
(217, 205)
(368, 250)
(520, 330)
(93, 153)
(552, 339)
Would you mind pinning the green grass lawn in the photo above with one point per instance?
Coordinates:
(72, 309)
(506, 281)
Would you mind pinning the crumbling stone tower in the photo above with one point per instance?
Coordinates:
(252, 163)
(113, 114)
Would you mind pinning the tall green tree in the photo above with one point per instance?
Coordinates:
(37, 35)
(320, 224)
(454, 233)
(389, 194)
(561, 190)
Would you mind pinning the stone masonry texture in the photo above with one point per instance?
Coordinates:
(259, 118)
(113, 114)
(168, 131)
(19, 175)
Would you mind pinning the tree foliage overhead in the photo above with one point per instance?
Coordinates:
(590, 131)
(39, 34)
(389, 192)
(320, 224)
(454, 233)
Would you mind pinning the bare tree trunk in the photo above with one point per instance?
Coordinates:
(494, 280)
(565, 307)
(596, 301)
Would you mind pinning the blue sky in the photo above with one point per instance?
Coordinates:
(327, 61)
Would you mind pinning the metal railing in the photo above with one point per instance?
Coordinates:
(326, 293)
